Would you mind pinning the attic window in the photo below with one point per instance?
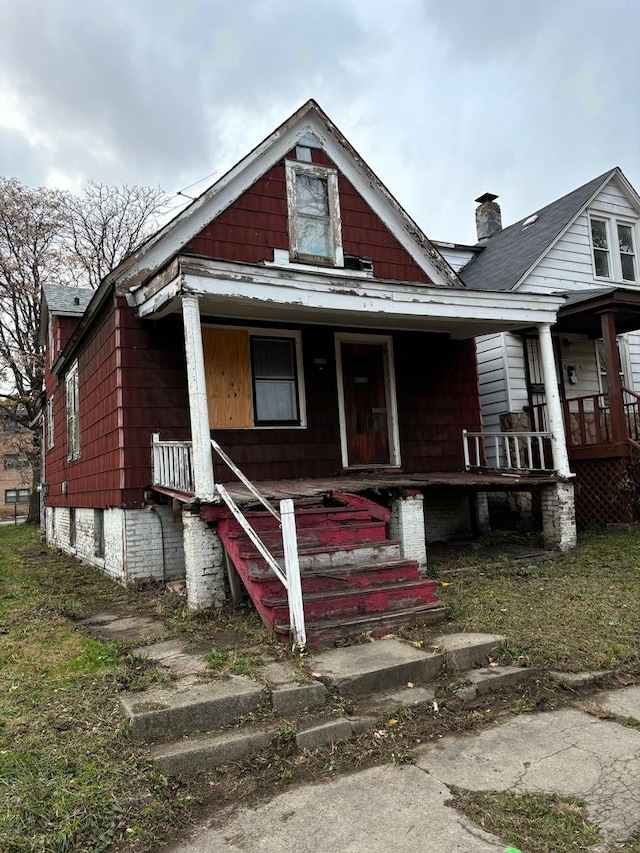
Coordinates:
(614, 252)
(314, 214)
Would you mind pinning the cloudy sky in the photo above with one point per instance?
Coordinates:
(445, 99)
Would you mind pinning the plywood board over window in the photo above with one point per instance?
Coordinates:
(227, 367)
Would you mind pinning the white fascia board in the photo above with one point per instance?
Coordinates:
(248, 287)
(188, 224)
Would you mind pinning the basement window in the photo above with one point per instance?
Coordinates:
(315, 234)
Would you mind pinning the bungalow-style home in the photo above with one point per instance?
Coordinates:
(584, 245)
(281, 386)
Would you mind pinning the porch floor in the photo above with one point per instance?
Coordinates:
(387, 480)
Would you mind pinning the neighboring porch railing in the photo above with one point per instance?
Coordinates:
(587, 419)
(173, 469)
(529, 451)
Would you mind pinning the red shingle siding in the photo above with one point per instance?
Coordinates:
(257, 223)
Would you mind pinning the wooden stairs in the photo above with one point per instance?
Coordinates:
(354, 578)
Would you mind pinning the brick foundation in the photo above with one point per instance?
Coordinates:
(559, 516)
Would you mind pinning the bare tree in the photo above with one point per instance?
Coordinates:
(51, 236)
(106, 223)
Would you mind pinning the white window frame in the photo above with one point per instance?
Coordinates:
(296, 336)
(50, 426)
(72, 402)
(390, 392)
(292, 169)
(613, 248)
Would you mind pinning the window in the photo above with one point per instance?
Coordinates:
(618, 264)
(98, 532)
(50, 434)
(73, 413)
(275, 395)
(16, 496)
(314, 213)
(14, 460)
(73, 531)
(254, 378)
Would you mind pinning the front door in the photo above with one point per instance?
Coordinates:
(366, 398)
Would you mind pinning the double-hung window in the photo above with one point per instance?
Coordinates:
(73, 412)
(614, 251)
(315, 233)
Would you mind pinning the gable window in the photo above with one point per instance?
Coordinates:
(73, 412)
(254, 378)
(614, 254)
(314, 213)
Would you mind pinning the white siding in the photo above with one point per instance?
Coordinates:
(456, 258)
(579, 352)
(633, 349)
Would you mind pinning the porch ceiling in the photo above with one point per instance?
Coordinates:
(582, 312)
(286, 294)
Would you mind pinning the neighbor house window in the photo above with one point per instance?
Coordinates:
(314, 213)
(73, 412)
(16, 496)
(14, 460)
(254, 378)
(614, 252)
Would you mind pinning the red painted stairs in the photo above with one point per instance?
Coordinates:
(354, 578)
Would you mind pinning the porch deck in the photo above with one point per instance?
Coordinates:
(380, 481)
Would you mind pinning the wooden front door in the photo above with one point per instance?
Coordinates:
(366, 416)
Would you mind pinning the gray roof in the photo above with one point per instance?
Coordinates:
(66, 299)
(574, 297)
(511, 252)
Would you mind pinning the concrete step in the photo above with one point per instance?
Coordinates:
(191, 706)
(464, 651)
(198, 753)
(357, 671)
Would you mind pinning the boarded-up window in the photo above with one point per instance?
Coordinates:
(252, 379)
(228, 372)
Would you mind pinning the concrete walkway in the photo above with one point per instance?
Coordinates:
(398, 809)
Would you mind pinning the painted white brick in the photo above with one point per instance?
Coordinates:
(559, 516)
(204, 563)
(407, 525)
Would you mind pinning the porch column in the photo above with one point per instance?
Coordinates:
(614, 385)
(554, 410)
(198, 409)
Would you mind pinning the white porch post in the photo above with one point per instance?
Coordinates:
(554, 410)
(198, 409)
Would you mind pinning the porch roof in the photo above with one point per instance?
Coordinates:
(581, 312)
(289, 294)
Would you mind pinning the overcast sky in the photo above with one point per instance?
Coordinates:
(445, 99)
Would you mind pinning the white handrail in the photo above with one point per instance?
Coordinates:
(508, 447)
(243, 479)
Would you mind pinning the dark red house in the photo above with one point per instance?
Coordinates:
(295, 318)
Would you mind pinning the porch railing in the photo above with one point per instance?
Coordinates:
(515, 451)
(587, 419)
(173, 469)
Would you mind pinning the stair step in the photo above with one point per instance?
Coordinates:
(343, 577)
(199, 753)
(329, 604)
(326, 535)
(329, 557)
(305, 519)
(192, 706)
(324, 634)
(357, 671)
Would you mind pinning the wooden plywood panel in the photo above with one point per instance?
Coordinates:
(227, 369)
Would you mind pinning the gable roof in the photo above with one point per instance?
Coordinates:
(66, 300)
(166, 243)
(511, 253)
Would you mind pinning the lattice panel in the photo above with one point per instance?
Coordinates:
(606, 491)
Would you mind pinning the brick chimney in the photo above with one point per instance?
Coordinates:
(488, 217)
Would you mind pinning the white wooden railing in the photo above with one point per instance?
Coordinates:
(528, 451)
(173, 465)
(173, 469)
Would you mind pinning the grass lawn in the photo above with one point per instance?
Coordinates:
(72, 778)
(578, 612)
